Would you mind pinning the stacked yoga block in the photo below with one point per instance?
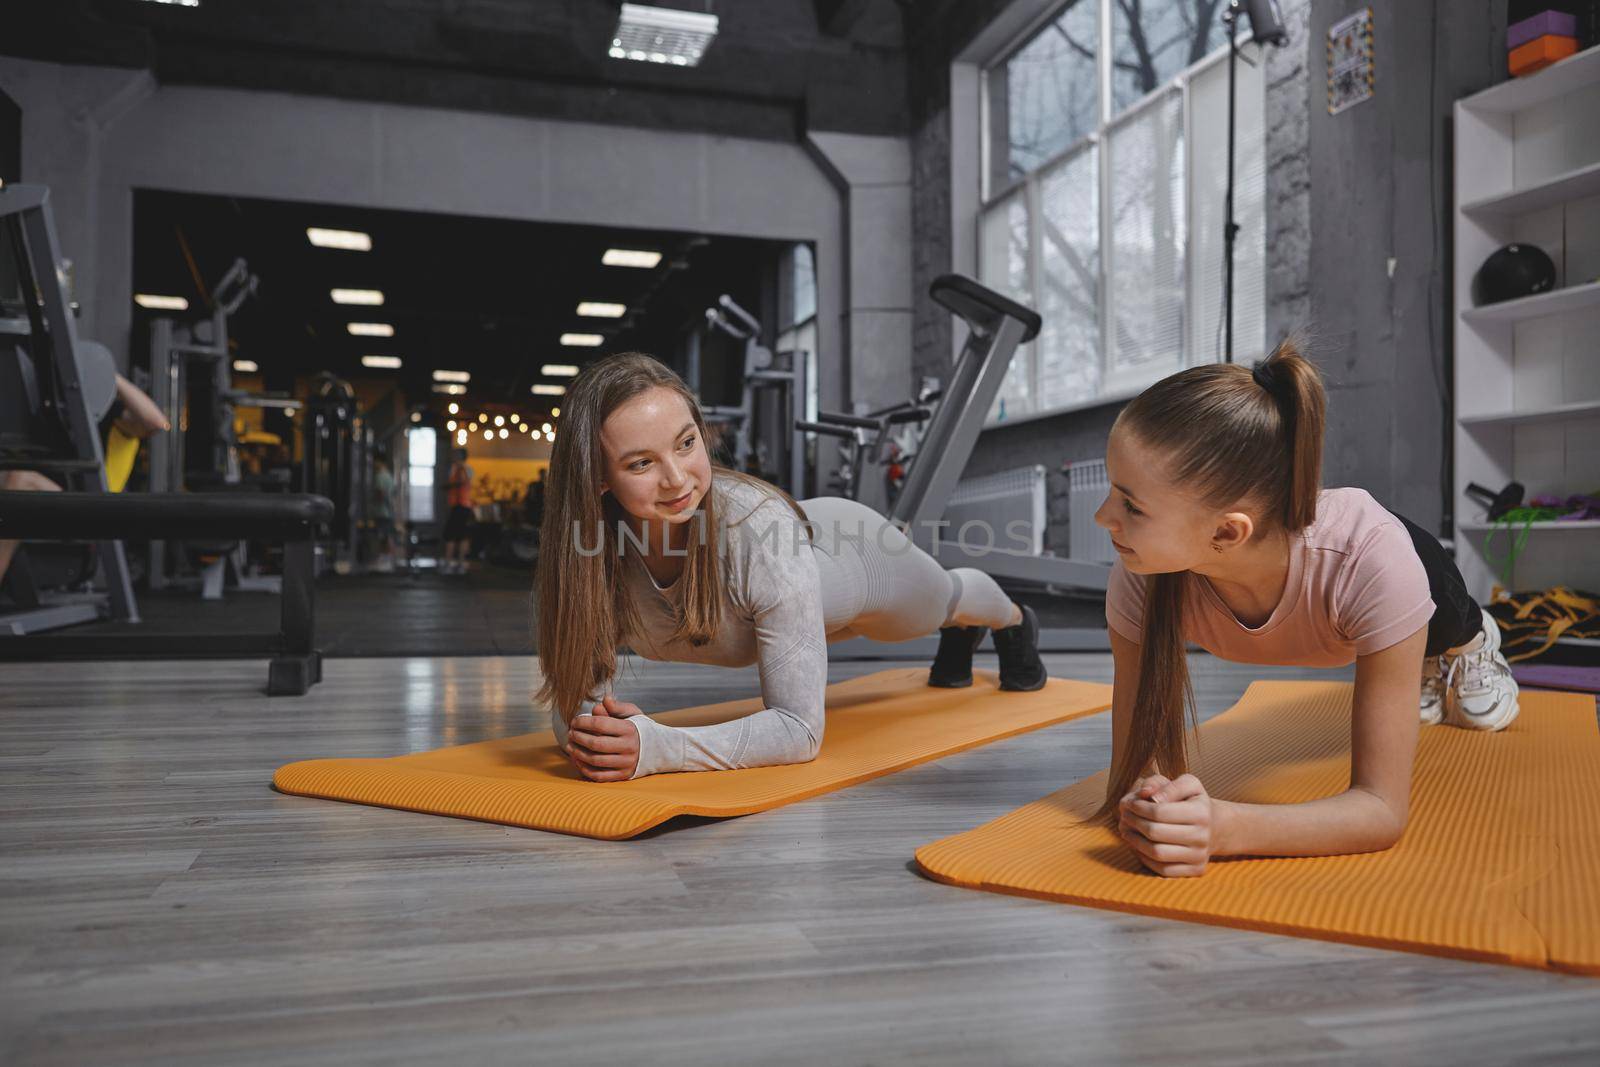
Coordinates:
(1541, 38)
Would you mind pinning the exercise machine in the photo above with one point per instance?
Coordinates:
(191, 371)
(772, 399)
(995, 327)
(337, 453)
(884, 438)
(54, 390)
(290, 519)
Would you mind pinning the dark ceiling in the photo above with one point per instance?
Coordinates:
(775, 68)
(486, 296)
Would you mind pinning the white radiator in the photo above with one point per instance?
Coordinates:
(1087, 485)
(998, 500)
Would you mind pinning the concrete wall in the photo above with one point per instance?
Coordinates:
(873, 175)
(943, 237)
(1286, 113)
(1379, 253)
(94, 134)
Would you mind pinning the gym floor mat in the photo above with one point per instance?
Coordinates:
(525, 781)
(1500, 862)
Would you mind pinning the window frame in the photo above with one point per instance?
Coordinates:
(792, 327)
(408, 485)
(992, 196)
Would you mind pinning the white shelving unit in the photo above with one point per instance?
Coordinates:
(1527, 167)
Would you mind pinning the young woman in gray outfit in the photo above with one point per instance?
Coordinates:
(647, 543)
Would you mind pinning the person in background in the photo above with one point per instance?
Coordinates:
(458, 521)
(383, 513)
(132, 418)
(533, 501)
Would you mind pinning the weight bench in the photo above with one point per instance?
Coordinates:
(291, 519)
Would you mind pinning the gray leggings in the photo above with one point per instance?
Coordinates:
(881, 586)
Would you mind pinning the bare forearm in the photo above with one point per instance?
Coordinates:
(1352, 821)
(140, 417)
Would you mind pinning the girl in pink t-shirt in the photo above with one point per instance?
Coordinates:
(1227, 541)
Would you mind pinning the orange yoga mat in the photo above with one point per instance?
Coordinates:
(877, 724)
(1501, 860)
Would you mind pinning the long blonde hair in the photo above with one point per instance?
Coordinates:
(583, 607)
(1228, 434)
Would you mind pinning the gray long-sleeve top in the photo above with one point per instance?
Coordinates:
(772, 614)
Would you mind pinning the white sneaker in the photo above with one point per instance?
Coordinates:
(1432, 691)
(1480, 693)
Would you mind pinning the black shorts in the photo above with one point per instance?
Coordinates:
(457, 523)
(1456, 616)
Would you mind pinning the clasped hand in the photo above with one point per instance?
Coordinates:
(1169, 825)
(604, 745)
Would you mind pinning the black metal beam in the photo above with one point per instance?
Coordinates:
(290, 518)
(143, 516)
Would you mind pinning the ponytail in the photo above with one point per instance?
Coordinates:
(1296, 388)
(1164, 701)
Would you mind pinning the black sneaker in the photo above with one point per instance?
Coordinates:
(952, 667)
(1021, 669)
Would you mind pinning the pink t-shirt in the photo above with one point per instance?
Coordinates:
(1355, 586)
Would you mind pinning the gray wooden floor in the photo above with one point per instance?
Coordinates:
(160, 904)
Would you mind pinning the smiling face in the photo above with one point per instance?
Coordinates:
(656, 464)
(1156, 527)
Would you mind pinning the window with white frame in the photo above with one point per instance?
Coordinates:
(1104, 182)
(422, 452)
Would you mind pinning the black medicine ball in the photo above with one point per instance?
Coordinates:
(1513, 271)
